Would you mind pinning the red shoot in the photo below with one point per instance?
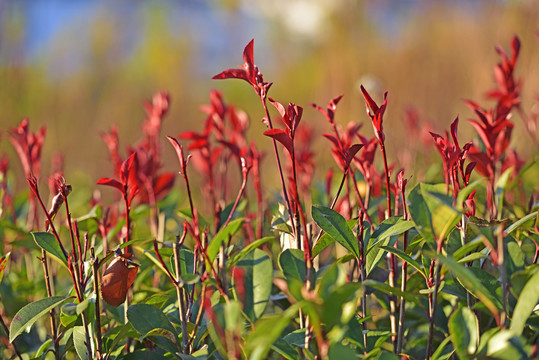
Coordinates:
(28, 146)
(248, 72)
(376, 113)
(329, 112)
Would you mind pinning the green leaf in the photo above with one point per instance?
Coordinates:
(527, 301)
(464, 331)
(122, 334)
(501, 184)
(397, 226)
(432, 211)
(267, 331)
(468, 247)
(222, 237)
(232, 312)
(322, 244)
(284, 349)
(48, 242)
(3, 264)
(257, 281)
(326, 239)
(505, 345)
(255, 244)
(514, 256)
(292, 263)
(521, 222)
(147, 318)
(144, 355)
(335, 225)
(408, 296)
(223, 216)
(403, 256)
(472, 257)
(471, 283)
(340, 351)
(30, 313)
(79, 340)
(157, 300)
(201, 354)
(43, 348)
(441, 352)
(341, 304)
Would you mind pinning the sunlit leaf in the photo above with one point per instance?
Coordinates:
(464, 331)
(432, 211)
(335, 225)
(471, 283)
(222, 237)
(48, 242)
(255, 244)
(147, 318)
(267, 331)
(292, 264)
(30, 313)
(79, 340)
(257, 282)
(526, 303)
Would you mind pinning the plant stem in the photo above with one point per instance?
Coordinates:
(95, 268)
(127, 225)
(388, 186)
(281, 175)
(181, 298)
(199, 315)
(433, 299)
(503, 275)
(362, 275)
(360, 199)
(402, 306)
(392, 257)
(52, 313)
(238, 197)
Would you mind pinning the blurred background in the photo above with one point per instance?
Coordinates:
(79, 67)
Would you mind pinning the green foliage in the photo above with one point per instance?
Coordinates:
(450, 272)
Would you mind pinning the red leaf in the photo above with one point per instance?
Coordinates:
(279, 107)
(282, 137)
(179, 150)
(198, 144)
(163, 183)
(134, 191)
(232, 74)
(126, 168)
(111, 182)
(369, 100)
(351, 153)
(333, 139)
(248, 57)
(329, 113)
(454, 128)
(117, 279)
(248, 71)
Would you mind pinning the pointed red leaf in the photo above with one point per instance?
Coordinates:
(351, 153)
(126, 168)
(282, 137)
(232, 74)
(111, 182)
(369, 100)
